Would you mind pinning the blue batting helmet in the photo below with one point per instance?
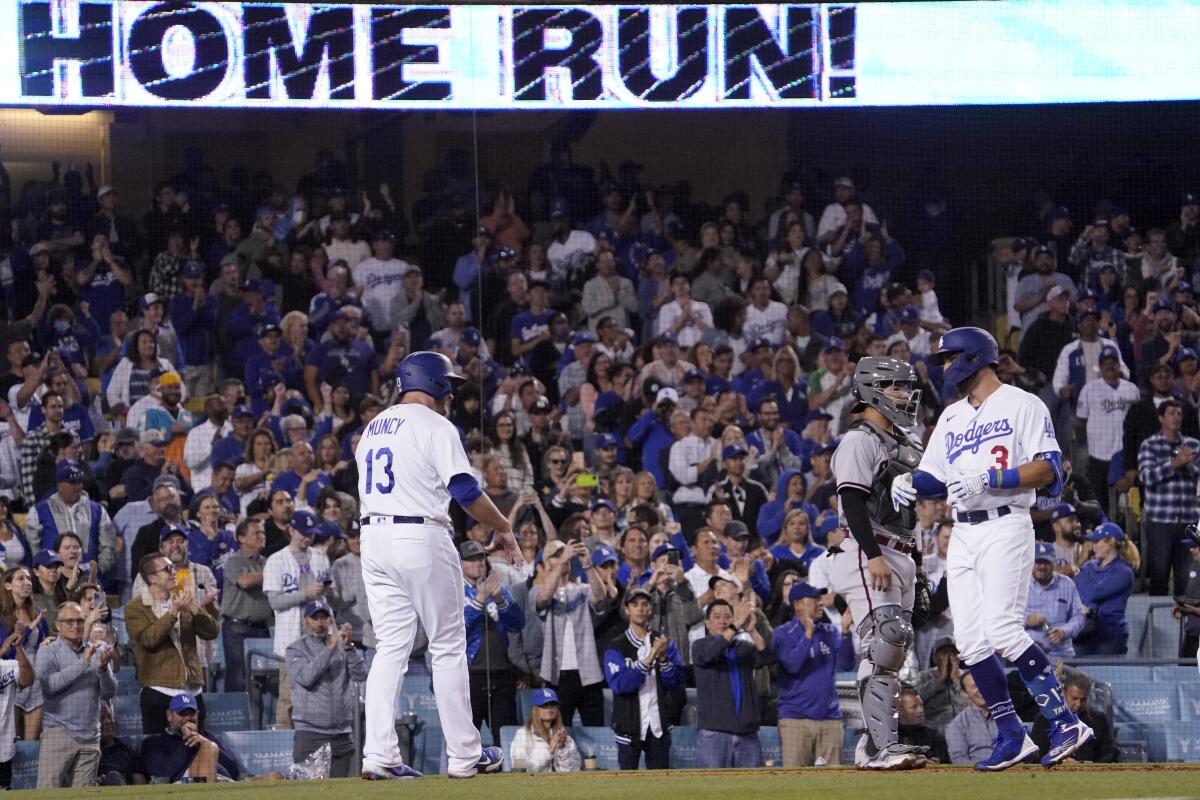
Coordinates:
(428, 372)
(975, 346)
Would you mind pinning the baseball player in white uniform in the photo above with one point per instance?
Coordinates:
(874, 569)
(990, 452)
(411, 462)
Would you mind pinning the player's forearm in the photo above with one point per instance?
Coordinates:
(1033, 475)
(484, 510)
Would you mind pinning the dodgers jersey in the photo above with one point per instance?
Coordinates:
(406, 458)
(1007, 430)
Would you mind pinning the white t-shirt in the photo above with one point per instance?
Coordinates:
(698, 579)
(769, 323)
(285, 575)
(9, 669)
(379, 282)
(689, 334)
(406, 458)
(577, 242)
(10, 463)
(1007, 430)
(1104, 407)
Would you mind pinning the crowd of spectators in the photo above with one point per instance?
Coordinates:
(656, 387)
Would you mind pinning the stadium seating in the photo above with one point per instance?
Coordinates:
(261, 751)
(227, 711)
(1146, 702)
(128, 714)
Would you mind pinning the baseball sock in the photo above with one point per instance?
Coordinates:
(1038, 674)
(990, 680)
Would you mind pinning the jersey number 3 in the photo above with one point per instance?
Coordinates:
(383, 454)
(999, 451)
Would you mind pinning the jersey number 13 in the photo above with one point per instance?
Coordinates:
(384, 455)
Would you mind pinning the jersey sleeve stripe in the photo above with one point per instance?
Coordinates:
(853, 485)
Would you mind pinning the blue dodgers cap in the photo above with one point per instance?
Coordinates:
(1086, 294)
(761, 342)
(182, 702)
(800, 590)
(1106, 530)
(192, 269)
(471, 336)
(603, 555)
(817, 414)
(252, 285)
(662, 550)
(833, 343)
(504, 252)
(583, 337)
(927, 275)
(666, 337)
(603, 502)
(909, 314)
(171, 530)
(68, 471)
(1044, 551)
(267, 329)
(314, 607)
(1163, 304)
(242, 411)
(693, 375)
(328, 529)
(149, 299)
(558, 207)
(606, 440)
(47, 558)
(543, 697)
(306, 522)
(1180, 355)
(734, 450)
(1063, 510)
(1091, 311)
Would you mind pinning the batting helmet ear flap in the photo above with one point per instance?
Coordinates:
(428, 372)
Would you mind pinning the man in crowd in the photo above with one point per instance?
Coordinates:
(970, 735)
(1167, 468)
(1054, 615)
(291, 577)
(913, 730)
(491, 617)
(245, 611)
(1103, 403)
(644, 670)
(744, 496)
(723, 663)
(323, 666)
(71, 510)
(75, 678)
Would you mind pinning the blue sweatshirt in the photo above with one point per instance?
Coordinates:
(807, 689)
(1105, 591)
(511, 620)
(195, 327)
(652, 437)
(772, 514)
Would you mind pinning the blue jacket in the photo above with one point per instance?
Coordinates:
(195, 327)
(807, 689)
(241, 325)
(652, 437)
(228, 449)
(759, 582)
(511, 620)
(1105, 591)
(50, 532)
(772, 514)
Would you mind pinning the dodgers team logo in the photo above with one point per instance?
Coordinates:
(970, 440)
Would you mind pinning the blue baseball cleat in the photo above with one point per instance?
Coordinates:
(1065, 739)
(397, 773)
(1006, 752)
(490, 760)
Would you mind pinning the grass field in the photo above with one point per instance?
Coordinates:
(948, 783)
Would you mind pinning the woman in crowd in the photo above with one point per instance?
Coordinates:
(507, 447)
(620, 491)
(597, 393)
(340, 408)
(46, 572)
(555, 466)
(18, 609)
(295, 343)
(343, 243)
(73, 571)
(778, 610)
(254, 475)
(701, 354)
(130, 380)
(543, 744)
(218, 542)
(645, 492)
(796, 539)
(1105, 582)
(12, 539)
(784, 265)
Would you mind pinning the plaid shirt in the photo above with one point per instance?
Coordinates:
(35, 442)
(1170, 492)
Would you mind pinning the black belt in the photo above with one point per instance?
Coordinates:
(249, 623)
(387, 519)
(976, 517)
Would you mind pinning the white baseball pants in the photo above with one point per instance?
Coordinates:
(412, 572)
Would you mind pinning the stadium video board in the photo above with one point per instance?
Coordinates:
(97, 53)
